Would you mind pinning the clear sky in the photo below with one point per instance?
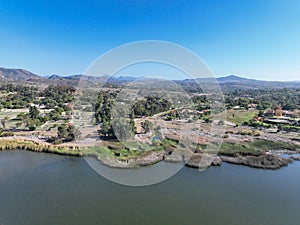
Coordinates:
(251, 38)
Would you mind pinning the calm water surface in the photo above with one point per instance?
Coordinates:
(45, 189)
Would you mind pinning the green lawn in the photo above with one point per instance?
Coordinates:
(239, 116)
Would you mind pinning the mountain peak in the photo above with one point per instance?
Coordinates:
(234, 79)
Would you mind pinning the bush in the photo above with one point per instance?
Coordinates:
(207, 120)
(246, 133)
(221, 122)
(32, 128)
(256, 134)
(7, 134)
(246, 123)
(57, 142)
(229, 132)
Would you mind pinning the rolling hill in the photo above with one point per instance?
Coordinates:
(17, 74)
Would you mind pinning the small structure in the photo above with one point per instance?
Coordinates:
(252, 106)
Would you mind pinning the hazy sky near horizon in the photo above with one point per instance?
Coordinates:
(251, 38)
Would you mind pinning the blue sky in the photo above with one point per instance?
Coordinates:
(252, 38)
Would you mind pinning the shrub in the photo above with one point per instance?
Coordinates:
(57, 142)
(256, 134)
(7, 134)
(32, 128)
(229, 132)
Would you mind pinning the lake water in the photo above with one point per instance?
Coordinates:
(45, 189)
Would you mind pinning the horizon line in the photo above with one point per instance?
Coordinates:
(216, 76)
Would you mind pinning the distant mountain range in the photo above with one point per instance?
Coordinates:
(226, 82)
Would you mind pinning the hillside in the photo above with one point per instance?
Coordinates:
(17, 74)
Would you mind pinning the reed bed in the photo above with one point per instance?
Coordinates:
(37, 147)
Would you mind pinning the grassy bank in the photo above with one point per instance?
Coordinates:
(126, 150)
(36, 147)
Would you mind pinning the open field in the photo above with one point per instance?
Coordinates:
(239, 116)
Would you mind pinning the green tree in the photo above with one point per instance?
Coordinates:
(34, 112)
(122, 128)
(68, 133)
(62, 131)
(72, 133)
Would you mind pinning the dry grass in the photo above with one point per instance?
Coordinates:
(12, 144)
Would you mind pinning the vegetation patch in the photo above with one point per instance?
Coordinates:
(256, 147)
(37, 147)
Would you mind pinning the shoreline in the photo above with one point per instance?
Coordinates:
(267, 160)
(11, 143)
